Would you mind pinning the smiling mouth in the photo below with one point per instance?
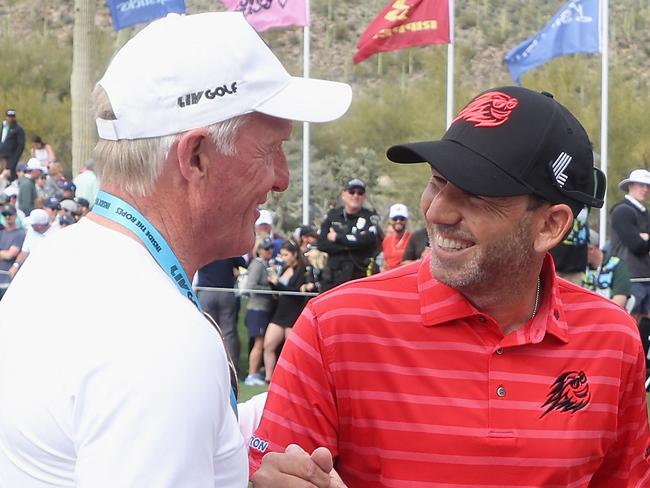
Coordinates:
(447, 244)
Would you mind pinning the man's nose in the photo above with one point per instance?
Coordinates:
(281, 172)
(445, 207)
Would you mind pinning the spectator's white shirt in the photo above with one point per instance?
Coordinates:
(87, 185)
(126, 387)
(33, 239)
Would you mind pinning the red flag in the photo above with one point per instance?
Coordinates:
(405, 23)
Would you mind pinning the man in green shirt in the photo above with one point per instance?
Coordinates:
(606, 275)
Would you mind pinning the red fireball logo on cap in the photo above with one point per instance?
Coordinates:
(488, 110)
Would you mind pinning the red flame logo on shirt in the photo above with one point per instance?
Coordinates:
(488, 110)
(569, 393)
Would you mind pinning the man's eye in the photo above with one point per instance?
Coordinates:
(439, 180)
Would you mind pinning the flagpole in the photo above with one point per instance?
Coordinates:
(604, 111)
(450, 66)
(305, 134)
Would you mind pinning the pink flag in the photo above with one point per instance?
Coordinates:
(264, 14)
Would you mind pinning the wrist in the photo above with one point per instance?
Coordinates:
(16, 264)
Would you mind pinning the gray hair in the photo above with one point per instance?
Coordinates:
(135, 165)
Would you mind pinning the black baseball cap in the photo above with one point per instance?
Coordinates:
(355, 183)
(66, 220)
(514, 141)
(266, 243)
(306, 230)
(8, 209)
(52, 202)
(82, 202)
(10, 112)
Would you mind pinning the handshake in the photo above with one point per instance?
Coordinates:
(296, 469)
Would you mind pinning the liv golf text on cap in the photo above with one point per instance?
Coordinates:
(513, 141)
(190, 71)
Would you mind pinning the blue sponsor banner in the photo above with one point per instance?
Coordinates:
(575, 28)
(130, 12)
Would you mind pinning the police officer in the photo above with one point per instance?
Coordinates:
(349, 235)
(12, 141)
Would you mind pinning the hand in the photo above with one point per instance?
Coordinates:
(296, 469)
(323, 457)
(307, 287)
(331, 235)
(645, 236)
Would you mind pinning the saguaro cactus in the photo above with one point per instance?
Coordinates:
(82, 82)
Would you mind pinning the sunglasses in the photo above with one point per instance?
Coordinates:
(357, 192)
(399, 219)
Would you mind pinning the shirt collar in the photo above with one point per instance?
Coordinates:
(635, 202)
(440, 303)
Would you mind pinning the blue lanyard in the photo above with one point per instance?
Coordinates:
(121, 212)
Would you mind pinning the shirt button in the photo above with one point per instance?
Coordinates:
(501, 391)
(481, 319)
(499, 351)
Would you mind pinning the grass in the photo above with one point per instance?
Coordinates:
(245, 391)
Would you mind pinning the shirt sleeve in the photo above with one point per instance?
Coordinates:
(250, 413)
(621, 280)
(323, 243)
(627, 462)
(624, 223)
(27, 243)
(257, 279)
(301, 406)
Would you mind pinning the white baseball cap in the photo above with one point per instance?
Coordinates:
(266, 217)
(38, 216)
(637, 176)
(187, 71)
(69, 205)
(398, 210)
(34, 163)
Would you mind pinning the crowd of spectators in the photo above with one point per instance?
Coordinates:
(280, 273)
(36, 198)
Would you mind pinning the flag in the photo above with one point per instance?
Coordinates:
(264, 14)
(405, 23)
(129, 12)
(575, 28)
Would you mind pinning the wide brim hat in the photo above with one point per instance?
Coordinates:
(641, 176)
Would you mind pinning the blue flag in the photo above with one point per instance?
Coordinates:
(129, 12)
(575, 28)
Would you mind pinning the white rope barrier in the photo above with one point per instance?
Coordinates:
(257, 292)
(229, 290)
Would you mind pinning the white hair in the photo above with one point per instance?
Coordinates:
(135, 165)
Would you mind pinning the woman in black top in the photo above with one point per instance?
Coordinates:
(290, 278)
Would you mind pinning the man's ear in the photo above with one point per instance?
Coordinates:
(556, 220)
(192, 154)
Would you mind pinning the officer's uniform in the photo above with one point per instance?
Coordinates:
(350, 256)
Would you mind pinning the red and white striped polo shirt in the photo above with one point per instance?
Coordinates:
(409, 385)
